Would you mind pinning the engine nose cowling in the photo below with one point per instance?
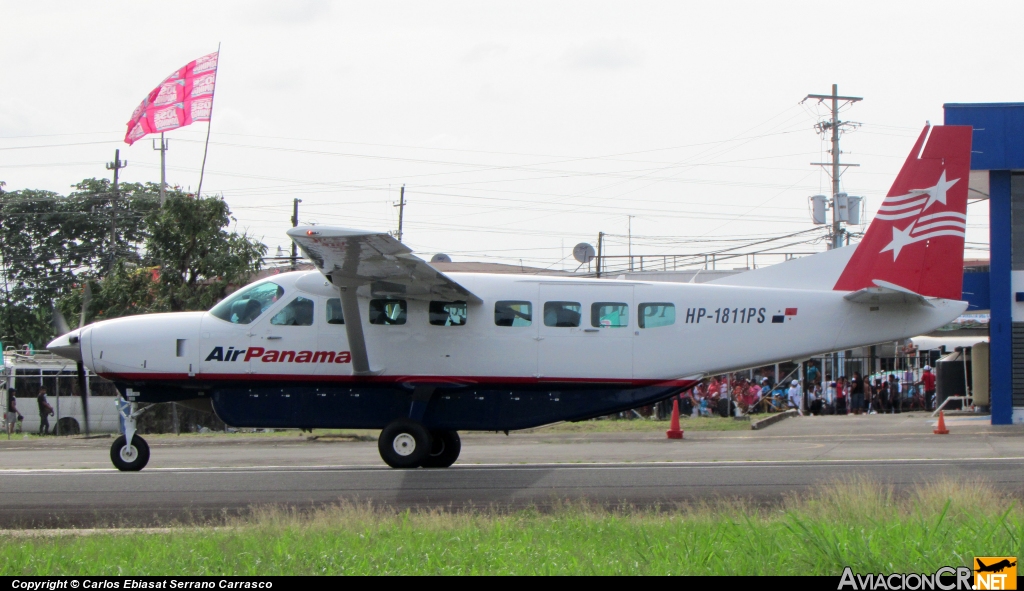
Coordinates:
(67, 345)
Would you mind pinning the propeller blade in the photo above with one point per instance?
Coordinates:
(60, 324)
(82, 387)
(86, 299)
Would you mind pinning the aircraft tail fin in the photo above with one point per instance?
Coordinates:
(916, 240)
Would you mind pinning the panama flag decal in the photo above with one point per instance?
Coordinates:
(781, 317)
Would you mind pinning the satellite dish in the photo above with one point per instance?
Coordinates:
(583, 253)
(440, 258)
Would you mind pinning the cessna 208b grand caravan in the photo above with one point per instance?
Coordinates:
(376, 338)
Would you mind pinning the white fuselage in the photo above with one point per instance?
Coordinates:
(717, 328)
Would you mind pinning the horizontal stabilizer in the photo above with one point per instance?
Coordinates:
(357, 258)
(887, 293)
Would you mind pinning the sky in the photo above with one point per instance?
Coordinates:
(519, 129)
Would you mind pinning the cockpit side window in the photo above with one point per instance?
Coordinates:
(248, 303)
(298, 312)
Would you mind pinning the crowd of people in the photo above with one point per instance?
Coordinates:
(816, 394)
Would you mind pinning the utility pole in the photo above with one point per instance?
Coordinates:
(600, 244)
(164, 146)
(834, 125)
(116, 166)
(295, 222)
(630, 242)
(401, 212)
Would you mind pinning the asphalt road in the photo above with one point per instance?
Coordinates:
(62, 482)
(82, 498)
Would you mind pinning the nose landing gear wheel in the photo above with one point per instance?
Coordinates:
(129, 458)
(445, 449)
(404, 444)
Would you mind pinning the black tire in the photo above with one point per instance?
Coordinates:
(444, 450)
(404, 444)
(129, 461)
(67, 426)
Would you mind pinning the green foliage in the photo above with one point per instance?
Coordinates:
(857, 524)
(52, 244)
(197, 256)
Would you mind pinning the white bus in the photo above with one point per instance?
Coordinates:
(26, 372)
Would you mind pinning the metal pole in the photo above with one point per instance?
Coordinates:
(600, 243)
(209, 124)
(836, 243)
(401, 212)
(295, 222)
(164, 145)
(630, 243)
(115, 166)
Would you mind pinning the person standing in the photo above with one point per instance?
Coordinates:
(928, 383)
(11, 416)
(795, 397)
(45, 410)
(895, 396)
(857, 393)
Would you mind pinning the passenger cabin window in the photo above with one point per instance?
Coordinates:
(448, 313)
(513, 313)
(657, 314)
(298, 312)
(609, 315)
(334, 315)
(388, 311)
(247, 304)
(562, 314)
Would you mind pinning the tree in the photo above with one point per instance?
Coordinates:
(49, 243)
(188, 260)
(178, 257)
(197, 257)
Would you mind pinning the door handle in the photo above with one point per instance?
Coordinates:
(591, 330)
(272, 338)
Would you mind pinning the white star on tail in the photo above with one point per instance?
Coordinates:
(900, 238)
(938, 192)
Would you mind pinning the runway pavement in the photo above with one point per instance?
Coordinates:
(60, 483)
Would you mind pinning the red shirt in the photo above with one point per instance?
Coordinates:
(928, 379)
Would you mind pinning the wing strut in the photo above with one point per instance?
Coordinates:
(354, 330)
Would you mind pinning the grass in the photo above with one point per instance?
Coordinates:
(854, 523)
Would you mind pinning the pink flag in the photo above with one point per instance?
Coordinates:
(182, 98)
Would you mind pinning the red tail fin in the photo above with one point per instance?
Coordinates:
(916, 240)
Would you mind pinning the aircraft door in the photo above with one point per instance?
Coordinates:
(586, 332)
(285, 341)
(229, 329)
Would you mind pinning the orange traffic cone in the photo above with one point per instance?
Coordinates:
(674, 432)
(941, 429)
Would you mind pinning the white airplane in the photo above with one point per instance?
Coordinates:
(376, 338)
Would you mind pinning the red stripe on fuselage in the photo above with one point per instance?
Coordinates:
(422, 379)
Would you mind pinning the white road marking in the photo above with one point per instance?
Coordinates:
(506, 467)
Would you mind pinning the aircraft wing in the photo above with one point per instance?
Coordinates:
(887, 293)
(357, 258)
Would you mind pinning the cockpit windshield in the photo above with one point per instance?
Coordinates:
(247, 304)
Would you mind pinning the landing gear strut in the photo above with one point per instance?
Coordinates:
(407, 444)
(129, 452)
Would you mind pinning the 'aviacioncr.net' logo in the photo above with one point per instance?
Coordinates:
(995, 572)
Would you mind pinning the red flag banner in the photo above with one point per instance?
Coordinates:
(184, 97)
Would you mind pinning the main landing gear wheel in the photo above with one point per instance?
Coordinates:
(404, 444)
(129, 458)
(445, 449)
